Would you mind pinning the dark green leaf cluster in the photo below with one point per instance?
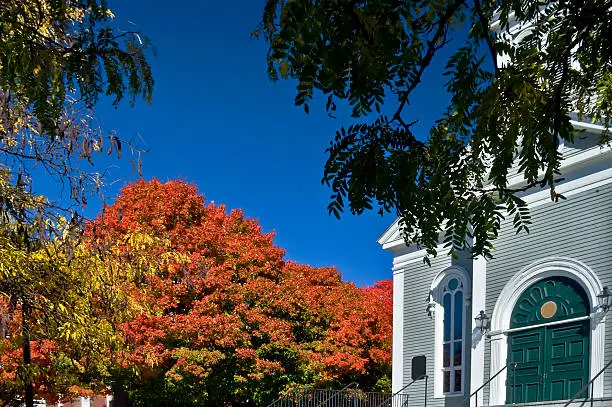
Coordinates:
(515, 74)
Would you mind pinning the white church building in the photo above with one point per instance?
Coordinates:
(545, 330)
(533, 324)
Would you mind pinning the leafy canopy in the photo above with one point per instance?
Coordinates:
(224, 318)
(50, 49)
(510, 102)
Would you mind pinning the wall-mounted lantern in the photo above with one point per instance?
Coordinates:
(604, 299)
(482, 321)
(431, 306)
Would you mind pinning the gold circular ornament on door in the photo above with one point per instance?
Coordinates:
(548, 309)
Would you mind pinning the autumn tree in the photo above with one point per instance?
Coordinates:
(57, 58)
(226, 318)
(59, 311)
(509, 102)
(344, 331)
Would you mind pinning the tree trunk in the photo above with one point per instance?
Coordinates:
(120, 398)
(27, 355)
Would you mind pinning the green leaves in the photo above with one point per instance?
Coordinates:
(361, 158)
(511, 95)
(56, 59)
(49, 50)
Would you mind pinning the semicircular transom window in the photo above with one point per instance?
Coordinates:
(549, 300)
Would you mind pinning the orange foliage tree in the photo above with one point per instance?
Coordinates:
(226, 319)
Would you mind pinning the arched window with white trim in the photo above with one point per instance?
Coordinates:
(453, 343)
(450, 290)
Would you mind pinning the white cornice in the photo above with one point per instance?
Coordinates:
(570, 188)
(589, 154)
(387, 235)
(400, 262)
(587, 126)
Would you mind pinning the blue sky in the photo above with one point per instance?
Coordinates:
(217, 121)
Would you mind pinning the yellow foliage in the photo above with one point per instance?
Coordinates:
(76, 300)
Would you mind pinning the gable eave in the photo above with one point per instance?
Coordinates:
(387, 235)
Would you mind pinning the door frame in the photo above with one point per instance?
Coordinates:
(500, 320)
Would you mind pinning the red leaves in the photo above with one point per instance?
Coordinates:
(233, 318)
(353, 326)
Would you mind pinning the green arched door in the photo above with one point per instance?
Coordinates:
(552, 359)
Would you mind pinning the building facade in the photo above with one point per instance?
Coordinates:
(547, 333)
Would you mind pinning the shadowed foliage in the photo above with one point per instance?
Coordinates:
(509, 108)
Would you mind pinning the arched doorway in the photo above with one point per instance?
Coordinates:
(549, 341)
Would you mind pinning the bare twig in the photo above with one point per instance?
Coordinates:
(437, 42)
(484, 25)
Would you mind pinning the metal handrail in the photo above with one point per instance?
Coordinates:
(586, 386)
(335, 393)
(294, 392)
(280, 399)
(400, 390)
(348, 397)
(514, 364)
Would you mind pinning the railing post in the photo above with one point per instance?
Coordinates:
(586, 386)
(355, 402)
